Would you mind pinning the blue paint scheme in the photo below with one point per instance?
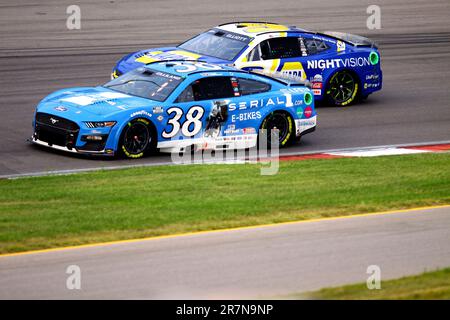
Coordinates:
(100, 104)
(351, 49)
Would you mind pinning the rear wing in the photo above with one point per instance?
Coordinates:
(286, 79)
(354, 40)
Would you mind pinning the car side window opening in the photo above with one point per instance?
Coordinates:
(187, 95)
(314, 46)
(249, 86)
(255, 54)
(276, 48)
(207, 89)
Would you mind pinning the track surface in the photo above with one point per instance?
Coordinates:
(245, 263)
(39, 55)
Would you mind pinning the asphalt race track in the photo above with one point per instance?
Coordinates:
(246, 263)
(38, 55)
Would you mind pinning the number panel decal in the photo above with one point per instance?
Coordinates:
(191, 125)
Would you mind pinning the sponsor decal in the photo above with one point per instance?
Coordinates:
(299, 112)
(371, 85)
(303, 48)
(160, 118)
(158, 109)
(304, 124)
(231, 129)
(167, 75)
(338, 63)
(54, 121)
(87, 99)
(60, 108)
(294, 90)
(258, 27)
(372, 77)
(249, 131)
(210, 74)
(237, 37)
(294, 69)
(340, 46)
(317, 92)
(254, 115)
(244, 105)
(308, 112)
(235, 86)
(153, 56)
(324, 39)
(140, 113)
(317, 78)
(317, 83)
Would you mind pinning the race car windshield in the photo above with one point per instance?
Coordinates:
(217, 43)
(146, 83)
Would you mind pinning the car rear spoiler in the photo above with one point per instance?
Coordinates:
(354, 40)
(287, 79)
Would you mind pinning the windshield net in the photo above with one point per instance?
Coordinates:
(217, 43)
(146, 83)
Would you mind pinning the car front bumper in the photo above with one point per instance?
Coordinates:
(103, 152)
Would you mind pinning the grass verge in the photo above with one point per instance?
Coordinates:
(53, 211)
(429, 285)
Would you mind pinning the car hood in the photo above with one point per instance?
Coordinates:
(89, 101)
(137, 59)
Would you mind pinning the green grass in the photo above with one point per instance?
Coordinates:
(52, 211)
(429, 285)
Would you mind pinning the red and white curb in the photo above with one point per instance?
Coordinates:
(370, 152)
(426, 147)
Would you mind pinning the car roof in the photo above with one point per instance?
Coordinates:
(168, 66)
(252, 29)
(173, 67)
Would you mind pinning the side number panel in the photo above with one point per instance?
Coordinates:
(191, 125)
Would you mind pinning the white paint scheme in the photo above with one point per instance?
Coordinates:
(206, 143)
(301, 125)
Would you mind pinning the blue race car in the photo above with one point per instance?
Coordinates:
(173, 106)
(341, 67)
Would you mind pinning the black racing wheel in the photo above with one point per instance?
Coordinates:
(281, 121)
(343, 88)
(137, 139)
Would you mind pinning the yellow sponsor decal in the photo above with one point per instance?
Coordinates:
(169, 55)
(148, 57)
(340, 46)
(263, 27)
(185, 54)
(295, 69)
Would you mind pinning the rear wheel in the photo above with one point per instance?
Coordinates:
(137, 139)
(342, 88)
(283, 123)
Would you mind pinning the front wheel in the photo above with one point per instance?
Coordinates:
(137, 139)
(282, 122)
(342, 88)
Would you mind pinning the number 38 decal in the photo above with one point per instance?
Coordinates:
(191, 125)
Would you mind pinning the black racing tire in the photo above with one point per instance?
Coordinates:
(138, 139)
(343, 88)
(284, 123)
